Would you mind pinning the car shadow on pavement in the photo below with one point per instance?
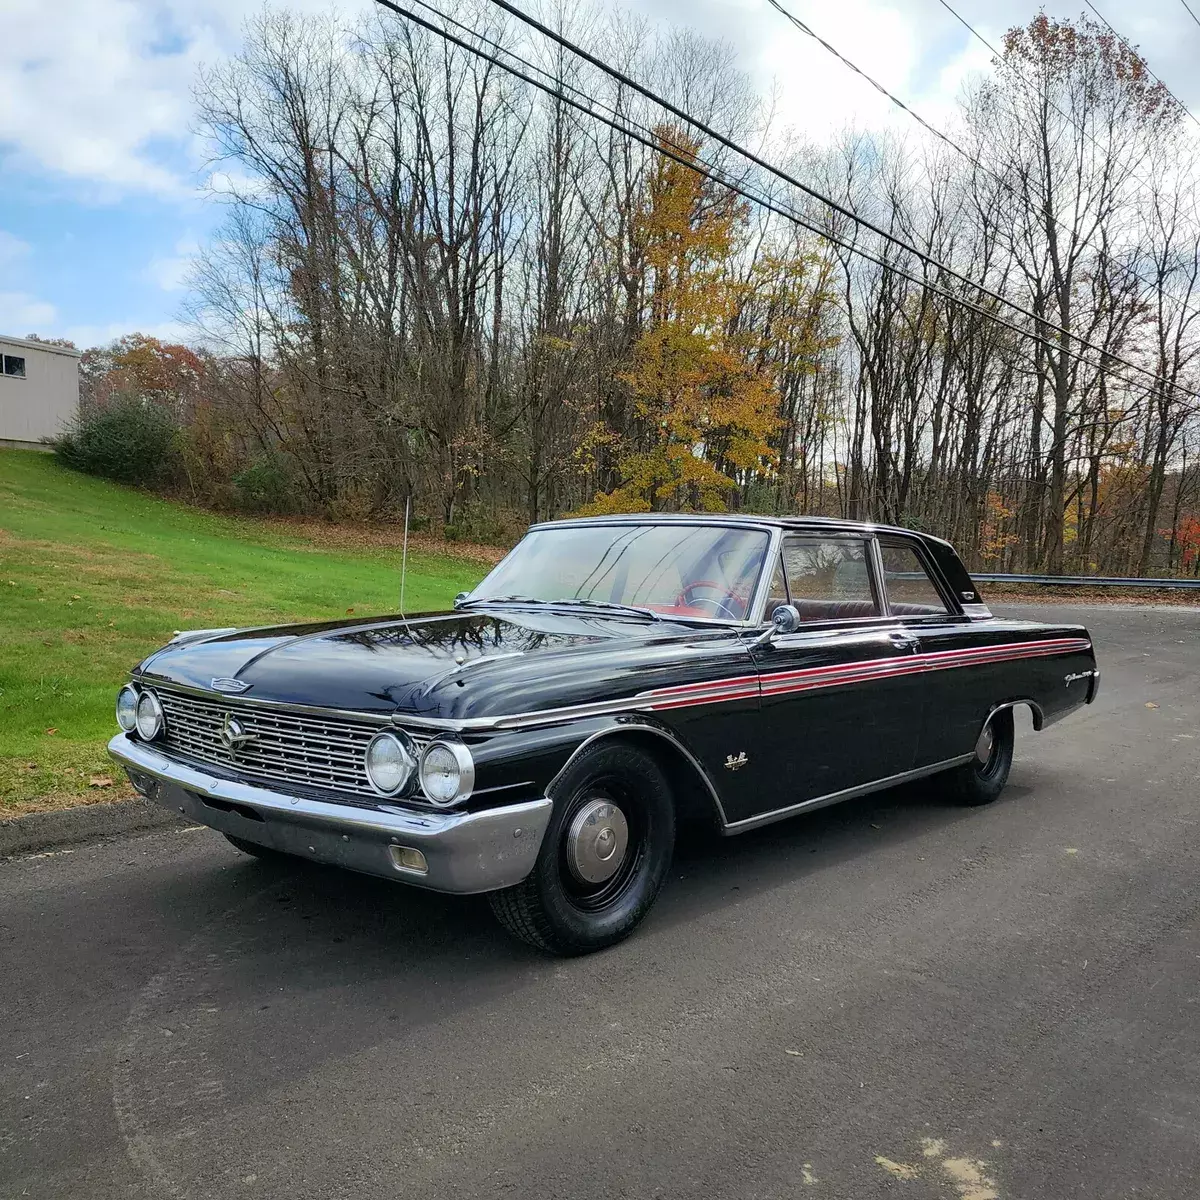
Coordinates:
(332, 964)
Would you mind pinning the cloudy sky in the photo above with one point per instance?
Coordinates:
(101, 180)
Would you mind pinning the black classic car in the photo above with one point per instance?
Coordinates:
(610, 678)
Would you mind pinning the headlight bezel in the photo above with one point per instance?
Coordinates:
(153, 703)
(401, 739)
(127, 689)
(465, 764)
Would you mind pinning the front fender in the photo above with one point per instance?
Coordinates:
(531, 761)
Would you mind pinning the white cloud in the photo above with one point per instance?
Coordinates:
(100, 335)
(170, 271)
(12, 249)
(99, 91)
(21, 313)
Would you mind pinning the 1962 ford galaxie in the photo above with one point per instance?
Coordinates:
(610, 678)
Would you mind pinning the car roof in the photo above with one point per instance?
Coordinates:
(740, 520)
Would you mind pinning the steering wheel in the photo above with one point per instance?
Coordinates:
(685, 599)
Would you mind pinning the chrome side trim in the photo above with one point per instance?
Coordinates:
(1035, 709)
(863, 789)
(620, 730)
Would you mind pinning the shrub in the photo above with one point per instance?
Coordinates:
(127, 439)
(267, 485)
(477, 522)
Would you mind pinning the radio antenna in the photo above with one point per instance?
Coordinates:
(404, 560)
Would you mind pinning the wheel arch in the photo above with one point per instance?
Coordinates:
(696, 797)
(1035, 711)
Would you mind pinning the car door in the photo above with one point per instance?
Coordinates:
(923, 605)
(840, 703)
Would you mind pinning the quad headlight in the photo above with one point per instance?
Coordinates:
(127, 701)
(390, 762)
(447, 773)
(150, 720)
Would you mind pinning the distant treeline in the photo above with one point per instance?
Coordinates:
(436, 282)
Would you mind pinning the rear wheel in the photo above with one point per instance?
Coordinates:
(604, 856)
(982, 779)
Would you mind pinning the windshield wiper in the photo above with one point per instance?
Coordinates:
(499, 600)
(610, 605)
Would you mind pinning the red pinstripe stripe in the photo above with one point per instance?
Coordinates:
(810, 678)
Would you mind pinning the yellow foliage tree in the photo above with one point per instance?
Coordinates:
(705, 412)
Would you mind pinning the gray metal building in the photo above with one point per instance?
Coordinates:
(39, 391)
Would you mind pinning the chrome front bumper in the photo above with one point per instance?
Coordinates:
(464, 852)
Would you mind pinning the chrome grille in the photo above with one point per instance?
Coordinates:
(288, 747)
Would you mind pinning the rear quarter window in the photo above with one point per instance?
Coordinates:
(910, 589)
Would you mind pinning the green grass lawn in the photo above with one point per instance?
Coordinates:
(94, 576)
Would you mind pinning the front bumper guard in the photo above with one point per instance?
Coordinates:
(465, 852)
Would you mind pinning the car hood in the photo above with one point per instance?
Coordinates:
(438, 665)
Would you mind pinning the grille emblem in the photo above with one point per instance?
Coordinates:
(234, 734)
(228, 685)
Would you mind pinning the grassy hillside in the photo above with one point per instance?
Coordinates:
(94, 576)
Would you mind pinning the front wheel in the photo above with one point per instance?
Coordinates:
(982, 779)
(604, 856)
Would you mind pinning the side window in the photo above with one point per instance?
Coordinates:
(778, 594)
(14, 365)
(911, 593)
(828, 578)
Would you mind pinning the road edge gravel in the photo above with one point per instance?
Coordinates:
(35, 833)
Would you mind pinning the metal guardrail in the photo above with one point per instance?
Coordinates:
(1087, 581)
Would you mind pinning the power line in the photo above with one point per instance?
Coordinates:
(996, 53)
(1121, 37)
(1190, 12)
(708, 131)
(956, 146)
(694, 163)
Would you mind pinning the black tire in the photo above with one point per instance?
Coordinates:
(554, 908)
(266, 853)
(982, 779)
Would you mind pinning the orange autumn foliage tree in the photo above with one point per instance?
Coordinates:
(704, 411)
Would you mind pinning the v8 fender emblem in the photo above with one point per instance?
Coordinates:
(735, 761)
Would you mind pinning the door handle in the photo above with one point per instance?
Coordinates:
(904, 641)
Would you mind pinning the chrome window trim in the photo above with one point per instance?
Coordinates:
(782, 534)
(757, 596)
(954, 608)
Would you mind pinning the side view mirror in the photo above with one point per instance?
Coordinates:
(460, 598)
(785, 619)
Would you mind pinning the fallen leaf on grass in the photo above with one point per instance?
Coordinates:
(349, 612)
(99, 781)
(52, 730)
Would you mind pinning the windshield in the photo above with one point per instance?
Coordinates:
(673, 570)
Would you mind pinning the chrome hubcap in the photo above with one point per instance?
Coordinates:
(983, 747)
(597, 841)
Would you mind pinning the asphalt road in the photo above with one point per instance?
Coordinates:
(887, 999)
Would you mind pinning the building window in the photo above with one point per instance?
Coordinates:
(14, 365)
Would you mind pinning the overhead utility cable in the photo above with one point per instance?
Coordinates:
(654, 142)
